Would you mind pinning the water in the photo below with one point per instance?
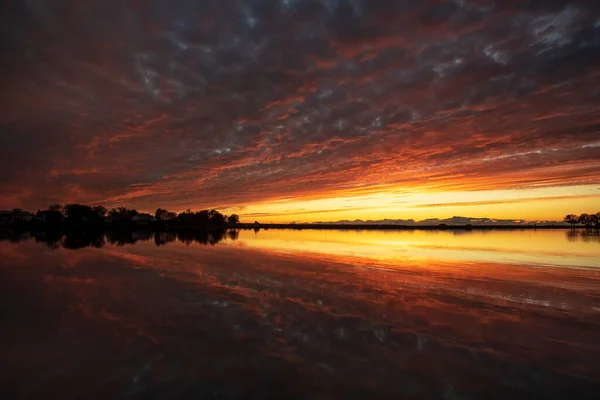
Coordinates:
(302, 314)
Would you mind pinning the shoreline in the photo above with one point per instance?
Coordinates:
(256, 227)
(402, 227)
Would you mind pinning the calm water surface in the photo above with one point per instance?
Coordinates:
(302, 314)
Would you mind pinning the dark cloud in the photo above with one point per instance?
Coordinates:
(217, 103)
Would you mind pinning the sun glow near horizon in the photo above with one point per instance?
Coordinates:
(531, 204)
(339, 117)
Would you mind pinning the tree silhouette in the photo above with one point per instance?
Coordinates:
(163, 215)
(216, 218)
(233, 219)
(55, 207)
(188, 217)
(585, 219)
(78, 214)
(589, 220)
(77, 211)
(572, 219)
(203, 217)
(52, 218)
(594, 219)
(100, 210)
(123, 213)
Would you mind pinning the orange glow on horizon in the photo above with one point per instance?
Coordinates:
(537, 204)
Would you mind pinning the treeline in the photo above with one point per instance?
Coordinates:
(198, 218)
(84, 216)
(589, 220)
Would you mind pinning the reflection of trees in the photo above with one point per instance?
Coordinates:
(144, 236)
(162, 238)
(234, 234)
(216, 236)
(465, 232)
(50, 238)
(585, 235)
(119, 238)
(78, 240)
(201, 236)
(97, 238)
(14, 237)
(123, 237)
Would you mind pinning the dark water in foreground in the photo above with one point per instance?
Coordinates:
(302, 314)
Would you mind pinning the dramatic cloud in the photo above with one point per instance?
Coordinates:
(230, 103)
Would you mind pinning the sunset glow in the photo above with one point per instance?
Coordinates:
(304, 111)
(528, 204)
(300, 199)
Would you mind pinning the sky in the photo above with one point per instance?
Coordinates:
(303, 110)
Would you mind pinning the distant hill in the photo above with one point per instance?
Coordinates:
(448, 221)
